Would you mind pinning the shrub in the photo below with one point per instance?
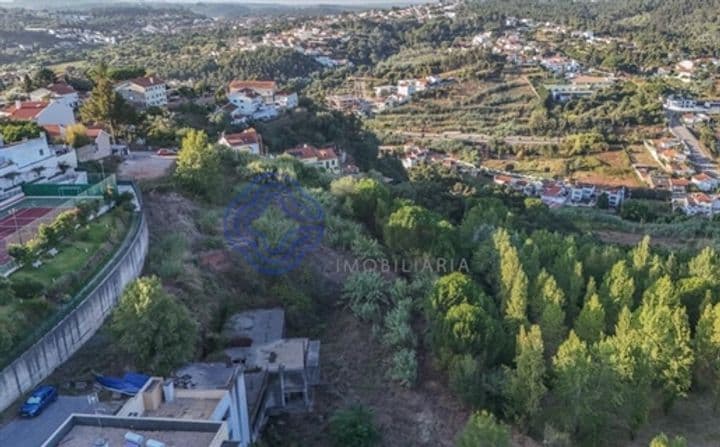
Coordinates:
(482, 429)
(27, 288)
(398, 332)
(364, 292)
(166, 257)
(354, 427)
(403, 367)
(365, 247)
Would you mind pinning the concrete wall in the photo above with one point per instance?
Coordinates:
(39, 361)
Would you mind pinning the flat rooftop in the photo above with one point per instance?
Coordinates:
(185, 408)
(85, 436)
(259, 326)
(84, 430)
(288, 352)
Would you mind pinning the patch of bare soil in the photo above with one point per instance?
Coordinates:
(692, 418)
(354, 373)
(144, 166)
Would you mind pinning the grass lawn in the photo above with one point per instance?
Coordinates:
(75, 252)
(79, 257)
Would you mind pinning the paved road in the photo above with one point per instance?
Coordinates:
(483, 138)
(33, 432)
(699, 155)
(142, 165)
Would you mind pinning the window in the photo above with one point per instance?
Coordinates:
(42, 152)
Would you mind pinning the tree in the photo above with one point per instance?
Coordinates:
(590, 324)
(603, 202)
(705, 266)
(524, 388)
(516, 308)
(417, 231)
(354, 427)
(586, 387)
(665, 335)
(153, 327)
(105, 105)
(552, 315)
(618, 290)
(198, 164)
(482, 429)
(463, 319)
(43, 77)
(707, 349)
(662, 440)
(76, 135)
(509, 265)
(632, 364)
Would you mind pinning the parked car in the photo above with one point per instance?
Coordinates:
(166, 152)
(38, 401)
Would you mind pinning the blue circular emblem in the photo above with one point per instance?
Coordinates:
(274, 224)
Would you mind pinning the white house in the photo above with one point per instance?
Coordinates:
(615, 196)
(99, 148)
(34, 160)
(246, 101)
(266, 89)
(553, 196)
(246, 141)
(325, 158)
(582, 192)
(144, 91)
(41, 112)
(286, 100)
(58, 92)
(704, 182)
(406, 87)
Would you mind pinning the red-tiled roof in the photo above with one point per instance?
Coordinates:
(702, 177)
(147, 81)
(305, 152)
(248, 136)
(27, 110)
(61, 88)
(93, 132)
(53, 131)
(262, 85)
(679, 182)
(552, 191)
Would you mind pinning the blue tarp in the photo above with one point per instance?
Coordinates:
(129, 384)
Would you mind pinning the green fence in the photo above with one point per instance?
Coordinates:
(58, 190)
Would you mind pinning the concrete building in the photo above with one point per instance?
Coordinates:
(85, 430)
(144, 92)
(33, 160)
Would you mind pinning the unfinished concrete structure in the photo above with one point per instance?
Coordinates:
(266, 374)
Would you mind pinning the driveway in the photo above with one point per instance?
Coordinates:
(33, 432)
(144, 165)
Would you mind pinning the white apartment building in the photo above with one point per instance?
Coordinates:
(144, 91)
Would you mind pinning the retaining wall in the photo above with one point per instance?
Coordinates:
(66, 337)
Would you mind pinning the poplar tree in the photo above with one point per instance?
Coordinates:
(525, 386)
(617, 291)
(590, 324)
(707, 349)
(552, 316)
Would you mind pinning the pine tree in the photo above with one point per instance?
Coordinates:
(707, 349)
(590, 324)
(525, 388)
(105, 105)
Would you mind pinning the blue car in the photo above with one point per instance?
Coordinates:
(38, 401)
